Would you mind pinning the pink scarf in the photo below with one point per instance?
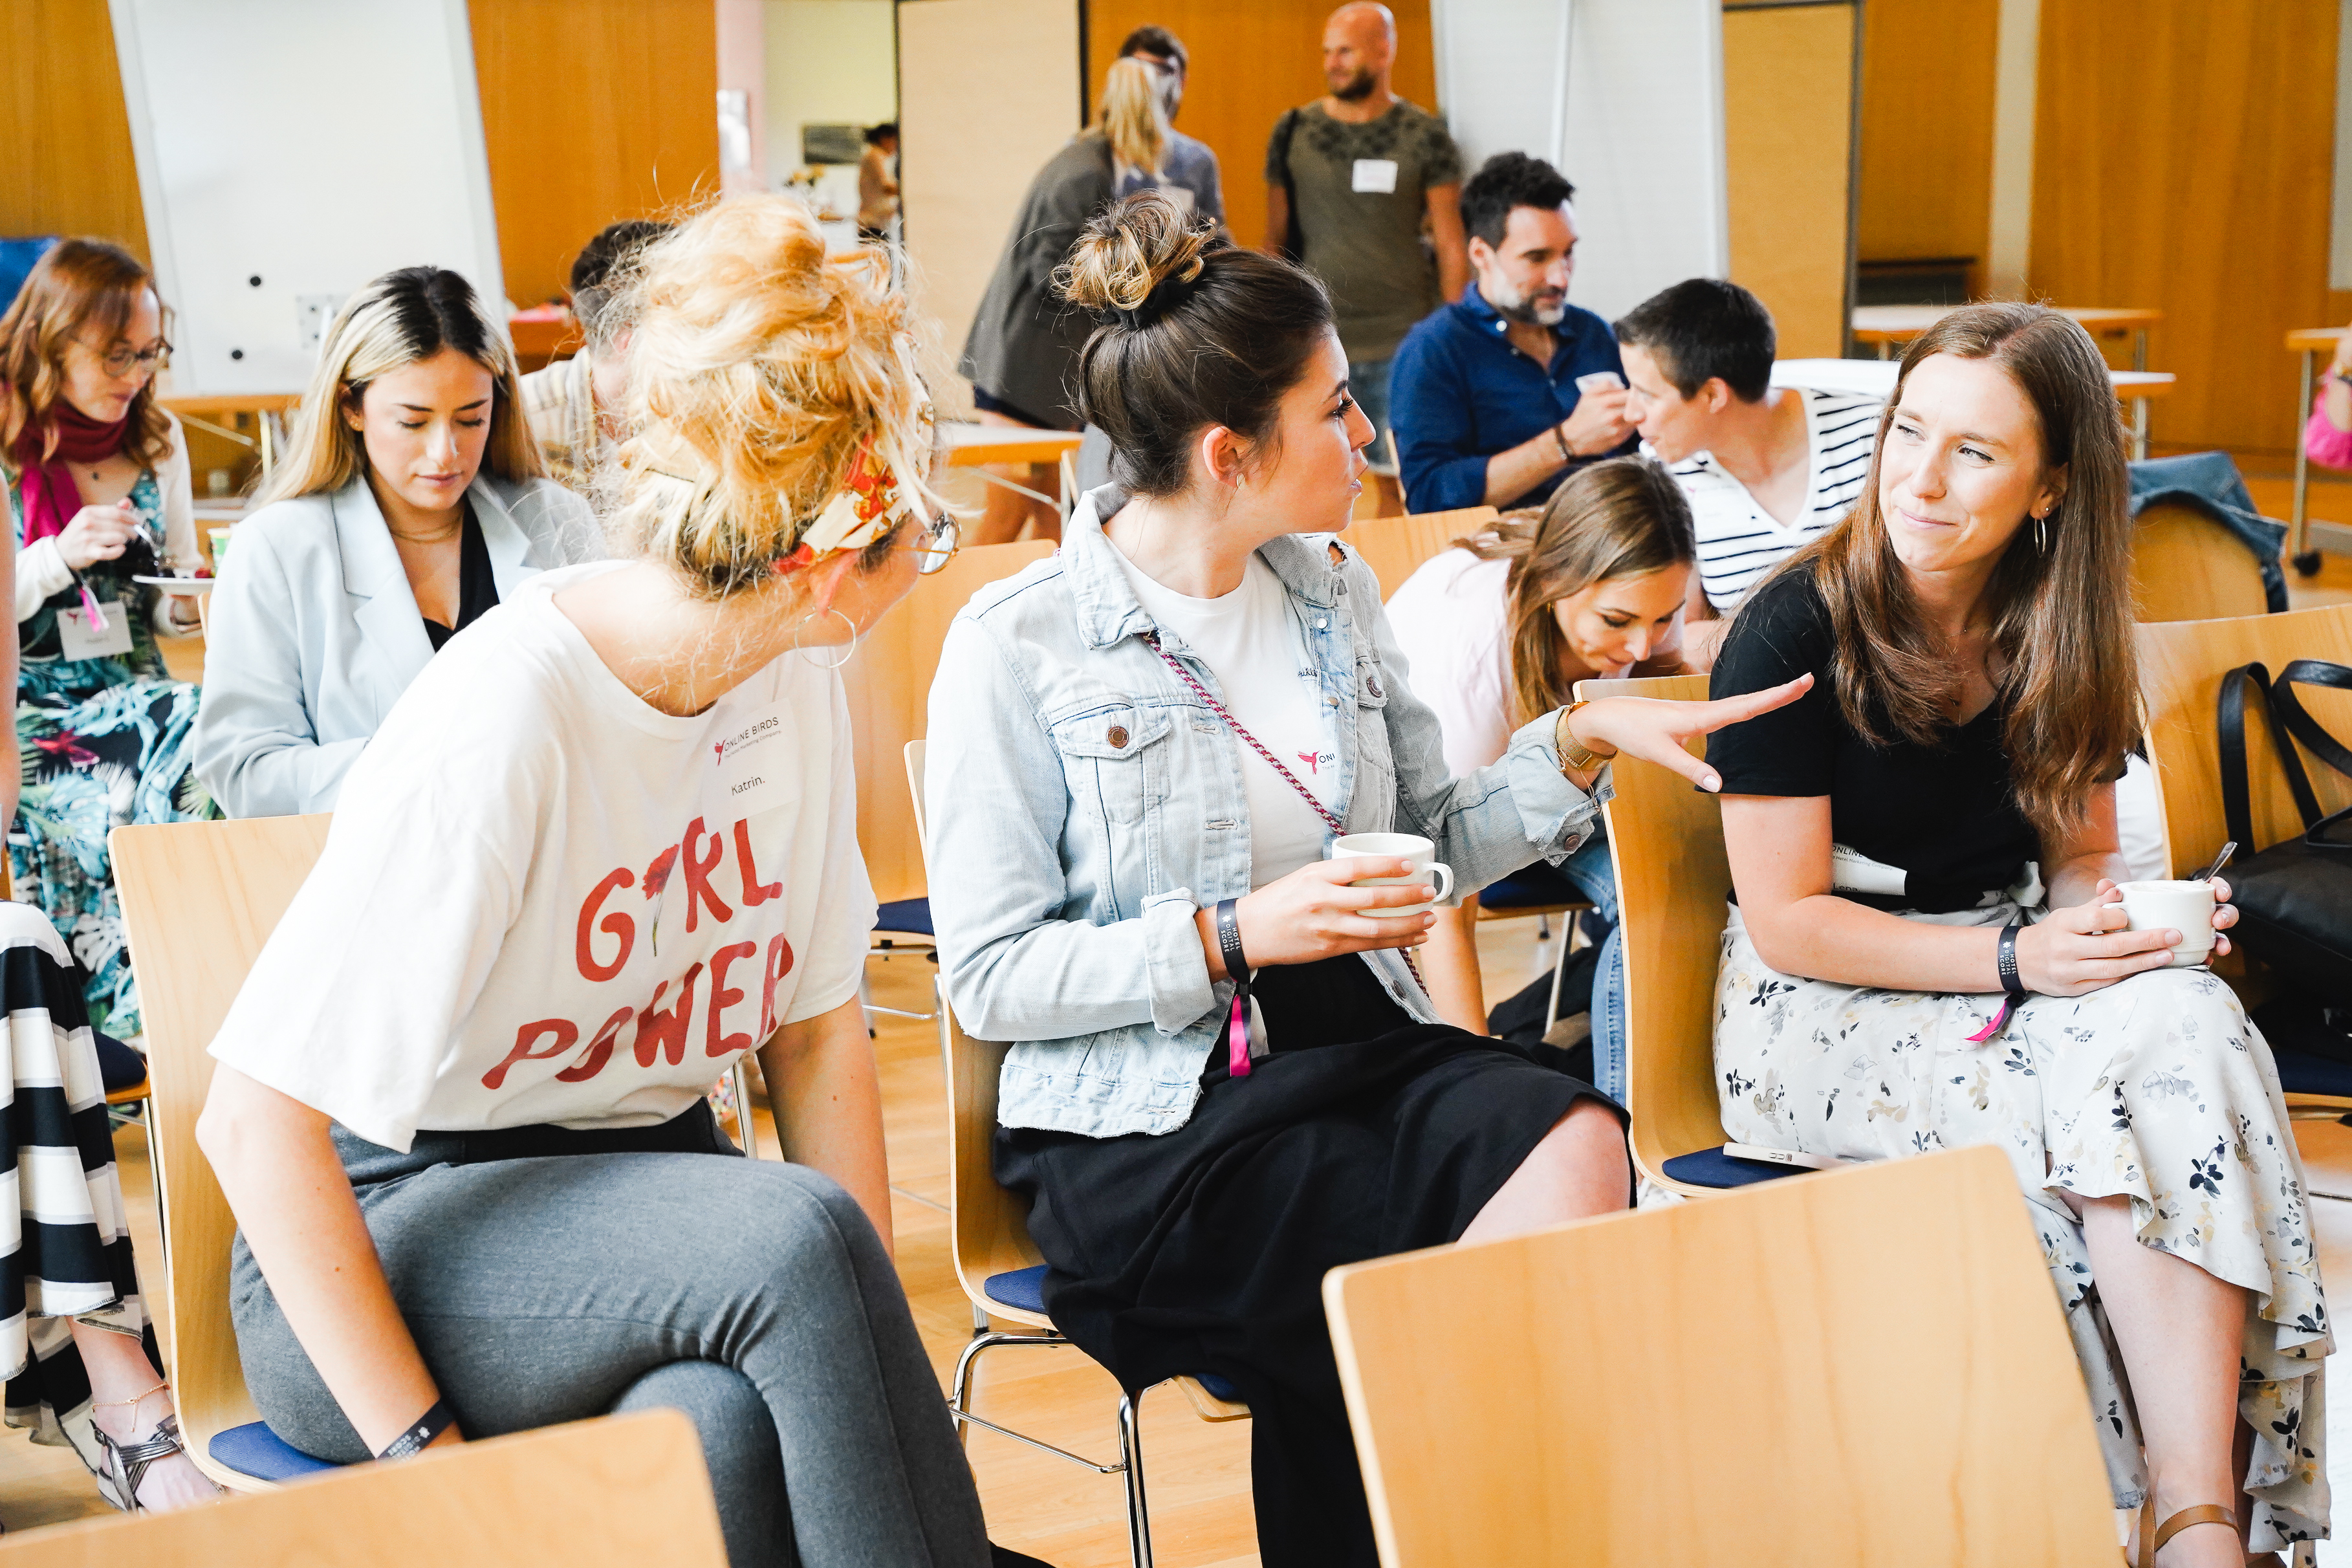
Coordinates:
(51, 497)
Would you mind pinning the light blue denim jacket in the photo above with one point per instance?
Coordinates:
(1082, 804)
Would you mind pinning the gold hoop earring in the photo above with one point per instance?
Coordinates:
(848, 654)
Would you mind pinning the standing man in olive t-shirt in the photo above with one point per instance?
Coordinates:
(1354, 181)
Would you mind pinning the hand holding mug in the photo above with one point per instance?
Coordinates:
(2093, 945)
(1316, 912)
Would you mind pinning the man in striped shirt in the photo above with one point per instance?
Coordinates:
(1765, 469)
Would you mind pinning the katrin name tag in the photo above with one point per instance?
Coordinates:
(1377, 176)
(95, 628)
(754, 767)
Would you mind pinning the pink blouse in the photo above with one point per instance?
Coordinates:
(2323, 442)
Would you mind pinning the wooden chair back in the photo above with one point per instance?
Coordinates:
(2186, 567)
(889, 689)
(1665, 841)
(616, 1492)
(2180, 668)
(1712, 1383)
(988, 1222)
(1395, 547)
(199, 899)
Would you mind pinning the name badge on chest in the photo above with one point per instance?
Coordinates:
(1376, 175)
(752, 768)
(95, 628)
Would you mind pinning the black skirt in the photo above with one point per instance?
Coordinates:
(1364, 1134)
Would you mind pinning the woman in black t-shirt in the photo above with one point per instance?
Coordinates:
(1927, 949)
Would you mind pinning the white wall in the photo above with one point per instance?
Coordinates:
(1626, 98)
(309, 143)
(829, 62)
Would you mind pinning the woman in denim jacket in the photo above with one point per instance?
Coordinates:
(1140, 750)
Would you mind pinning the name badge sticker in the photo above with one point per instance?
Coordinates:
(95, 628)
(753, 768)
(1376, 175)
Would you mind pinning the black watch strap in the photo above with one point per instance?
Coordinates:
(429, 1425)
(2005, 958)
(1229, 941)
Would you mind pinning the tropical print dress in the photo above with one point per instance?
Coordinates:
(103, 743)
(2156, 1088)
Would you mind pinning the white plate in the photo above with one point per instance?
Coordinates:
(179, 584)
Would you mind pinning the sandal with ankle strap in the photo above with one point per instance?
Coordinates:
(2186, 1518)
(128, 1463)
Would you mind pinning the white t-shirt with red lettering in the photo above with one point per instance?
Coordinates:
(544, 900)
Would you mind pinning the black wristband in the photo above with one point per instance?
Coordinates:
(429, 1425)
(1229, 942)
(2004, 960)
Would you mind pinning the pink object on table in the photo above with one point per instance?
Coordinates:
(2323, 443)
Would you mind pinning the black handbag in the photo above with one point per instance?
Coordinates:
(2294, 898)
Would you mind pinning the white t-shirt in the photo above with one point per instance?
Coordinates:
(1738, 541)
(1453, 619)
(1266, 679)
(543, 900)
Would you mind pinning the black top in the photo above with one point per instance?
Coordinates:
(1943, 813)
(477, 589)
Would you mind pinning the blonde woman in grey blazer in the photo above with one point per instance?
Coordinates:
(410, 503)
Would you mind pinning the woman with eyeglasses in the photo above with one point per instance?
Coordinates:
(97, 479)
(605, 843)
(411, 502)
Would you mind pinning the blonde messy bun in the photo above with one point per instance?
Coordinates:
(756, 365)
(1122, 256)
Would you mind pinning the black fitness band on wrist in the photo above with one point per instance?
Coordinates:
(429, 1425)
(2004, 961)
(1229, 942)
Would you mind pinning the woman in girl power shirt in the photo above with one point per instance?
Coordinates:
(601, 845)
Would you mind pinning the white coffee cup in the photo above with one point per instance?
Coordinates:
(1419, 851)
(2185, 907)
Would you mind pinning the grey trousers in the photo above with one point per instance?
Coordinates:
(752, 1294)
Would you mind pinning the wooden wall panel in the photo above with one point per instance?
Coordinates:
(2182, 156)
(1251, 60)
(1928, 78)
(1788, 134)
(68, 167)
(594, 110)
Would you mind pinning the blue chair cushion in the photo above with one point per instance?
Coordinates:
(1219, 1386)
(1532, 885)
(253, 1449)
(119, 1067)
(1714, 1168)
(1024, 1288)
(2301, 1072)
(911, 915)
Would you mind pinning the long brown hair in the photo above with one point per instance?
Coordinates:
(2062, 616)
(79, 283)
(1624, 517)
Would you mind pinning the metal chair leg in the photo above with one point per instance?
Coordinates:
(743, 1125)
(1131, 1452)
(1552, 1008)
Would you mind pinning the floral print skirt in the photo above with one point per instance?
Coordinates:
(94, 760)
(2156, 1088)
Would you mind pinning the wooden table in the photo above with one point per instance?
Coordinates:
(202, 410)
(1875, 378)
(973, 446)
(2308, 342)
(1889, 325)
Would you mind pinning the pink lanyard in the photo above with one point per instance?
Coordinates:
(1237, 1036)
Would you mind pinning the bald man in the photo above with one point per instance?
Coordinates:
(1351, 181)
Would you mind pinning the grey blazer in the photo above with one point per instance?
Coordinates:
(315, 633)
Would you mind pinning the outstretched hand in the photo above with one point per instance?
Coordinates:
(1656, 730)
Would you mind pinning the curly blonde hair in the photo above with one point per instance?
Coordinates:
(757, 366)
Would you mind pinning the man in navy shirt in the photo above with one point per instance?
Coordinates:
(1498, 397)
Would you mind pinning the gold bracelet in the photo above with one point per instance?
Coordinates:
(1575, 756)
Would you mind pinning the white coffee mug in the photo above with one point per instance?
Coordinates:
(2185, 907)
(1421, 852)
